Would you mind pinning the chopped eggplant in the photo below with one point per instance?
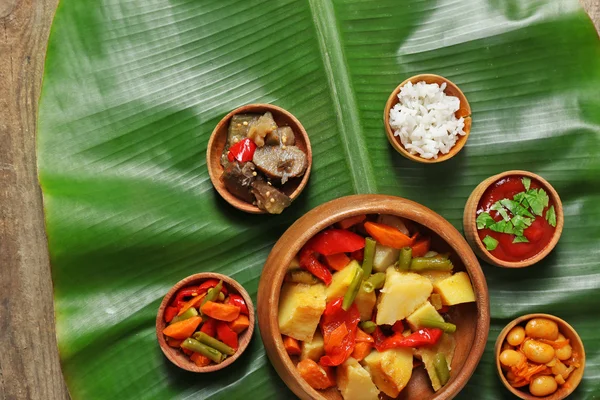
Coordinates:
(261, 128)
(280, 162)
(238, 179)
(238, 128)
(269, 198)
(283, 135)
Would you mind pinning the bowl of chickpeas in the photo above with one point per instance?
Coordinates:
(540, 356)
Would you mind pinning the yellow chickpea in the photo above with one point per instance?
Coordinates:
(565, 352)
(543, 385)
(538, 352)
(542, 328)
(516, 336)
(511, 358)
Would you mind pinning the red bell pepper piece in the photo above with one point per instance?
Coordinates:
(422, 337)
(170, 313)
(333, 241)
(208, 284)
(420, 248)
(334, 322)
(239, 302)
(209, 327)
(398, 327)
(243, 151)
(185, 292)
(309, 262)
(358, 255)
(226, 335)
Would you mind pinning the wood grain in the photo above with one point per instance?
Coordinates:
(29, 366)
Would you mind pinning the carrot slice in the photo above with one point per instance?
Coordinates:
(337, 261)
(314, 375)
(182, 329)
(336, 337)
(220, 311)
(200, 360)
(173, 342)
(421, 248)
(351, 221)
(388, 235)
(362, 336)
(361, 350)
(292, 346)
(240, 324)
(194, 302)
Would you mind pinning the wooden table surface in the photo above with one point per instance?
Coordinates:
(29, 365)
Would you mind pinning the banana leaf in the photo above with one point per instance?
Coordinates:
(132, 90)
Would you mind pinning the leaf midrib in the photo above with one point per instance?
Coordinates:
(342, 96)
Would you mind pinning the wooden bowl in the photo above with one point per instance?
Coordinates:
(470, 225)
(472, 319)
(575, 341)
(218, 141)
(463, 111)
(176, 356)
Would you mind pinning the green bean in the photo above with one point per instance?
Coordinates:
(207, 351)
(301, 276)
(375, 281)
(431, 323)
(441, 368)
(352, 289)
(368, 326)
(368, 257)
(214, 343)
(436, 263)
(404, 259)
(213, 293)
(189, 313)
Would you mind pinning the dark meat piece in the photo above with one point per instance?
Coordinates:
(269, 198)
(283, 135)
(238, 179)
(280, 162)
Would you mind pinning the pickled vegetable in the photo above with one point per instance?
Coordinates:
(238, 179)
(280, 162)
(538, 352)
(543, 386)
(238, 127)
(516, 336)
(542, 328)
(260, 128)
(282, 136)
(269, 198)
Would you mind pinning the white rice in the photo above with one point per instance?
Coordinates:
(424, 119)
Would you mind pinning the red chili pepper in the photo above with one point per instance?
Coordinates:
(170, 313)
(226, 335)
(309, 262)
(238, 301)
(242, 151)
(420, 338)
(209, 327)
(333, 318)
(208, 284)
(358, 255)
(398, 327)
(185, 292)
(334, 241)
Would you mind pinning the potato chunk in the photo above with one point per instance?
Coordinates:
(314, 349)
(425, 311)
(384, 257)
(300, 309)
(390, 369)
(354, 382)
(402, 293)
(341, 280)
(446, 346)
(455, 289)
(365, 303)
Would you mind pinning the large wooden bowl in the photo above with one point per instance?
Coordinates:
(451, 90)
(472, 319)
(470, 217)
(218, 141)
(575, 342)
(176, 356)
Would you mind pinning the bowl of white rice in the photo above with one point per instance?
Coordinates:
(427, 118)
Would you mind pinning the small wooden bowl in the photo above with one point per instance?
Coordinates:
(470, 216)
(575, 341)
(463, 111)
(176, 356)
(218, 141)
(472, 319)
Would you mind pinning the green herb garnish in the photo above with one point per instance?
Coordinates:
(551, 217)
(538, 200)
(520, 239)
(497, 206)
(490, 243)
(484, 220)
(526, 182)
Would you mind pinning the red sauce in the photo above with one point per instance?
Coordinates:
(539, 233)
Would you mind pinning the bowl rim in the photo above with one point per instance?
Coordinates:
(470, 225)
(215, 174)
(393, 100)
(337, 210)
(498, 346)
(244, 339)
